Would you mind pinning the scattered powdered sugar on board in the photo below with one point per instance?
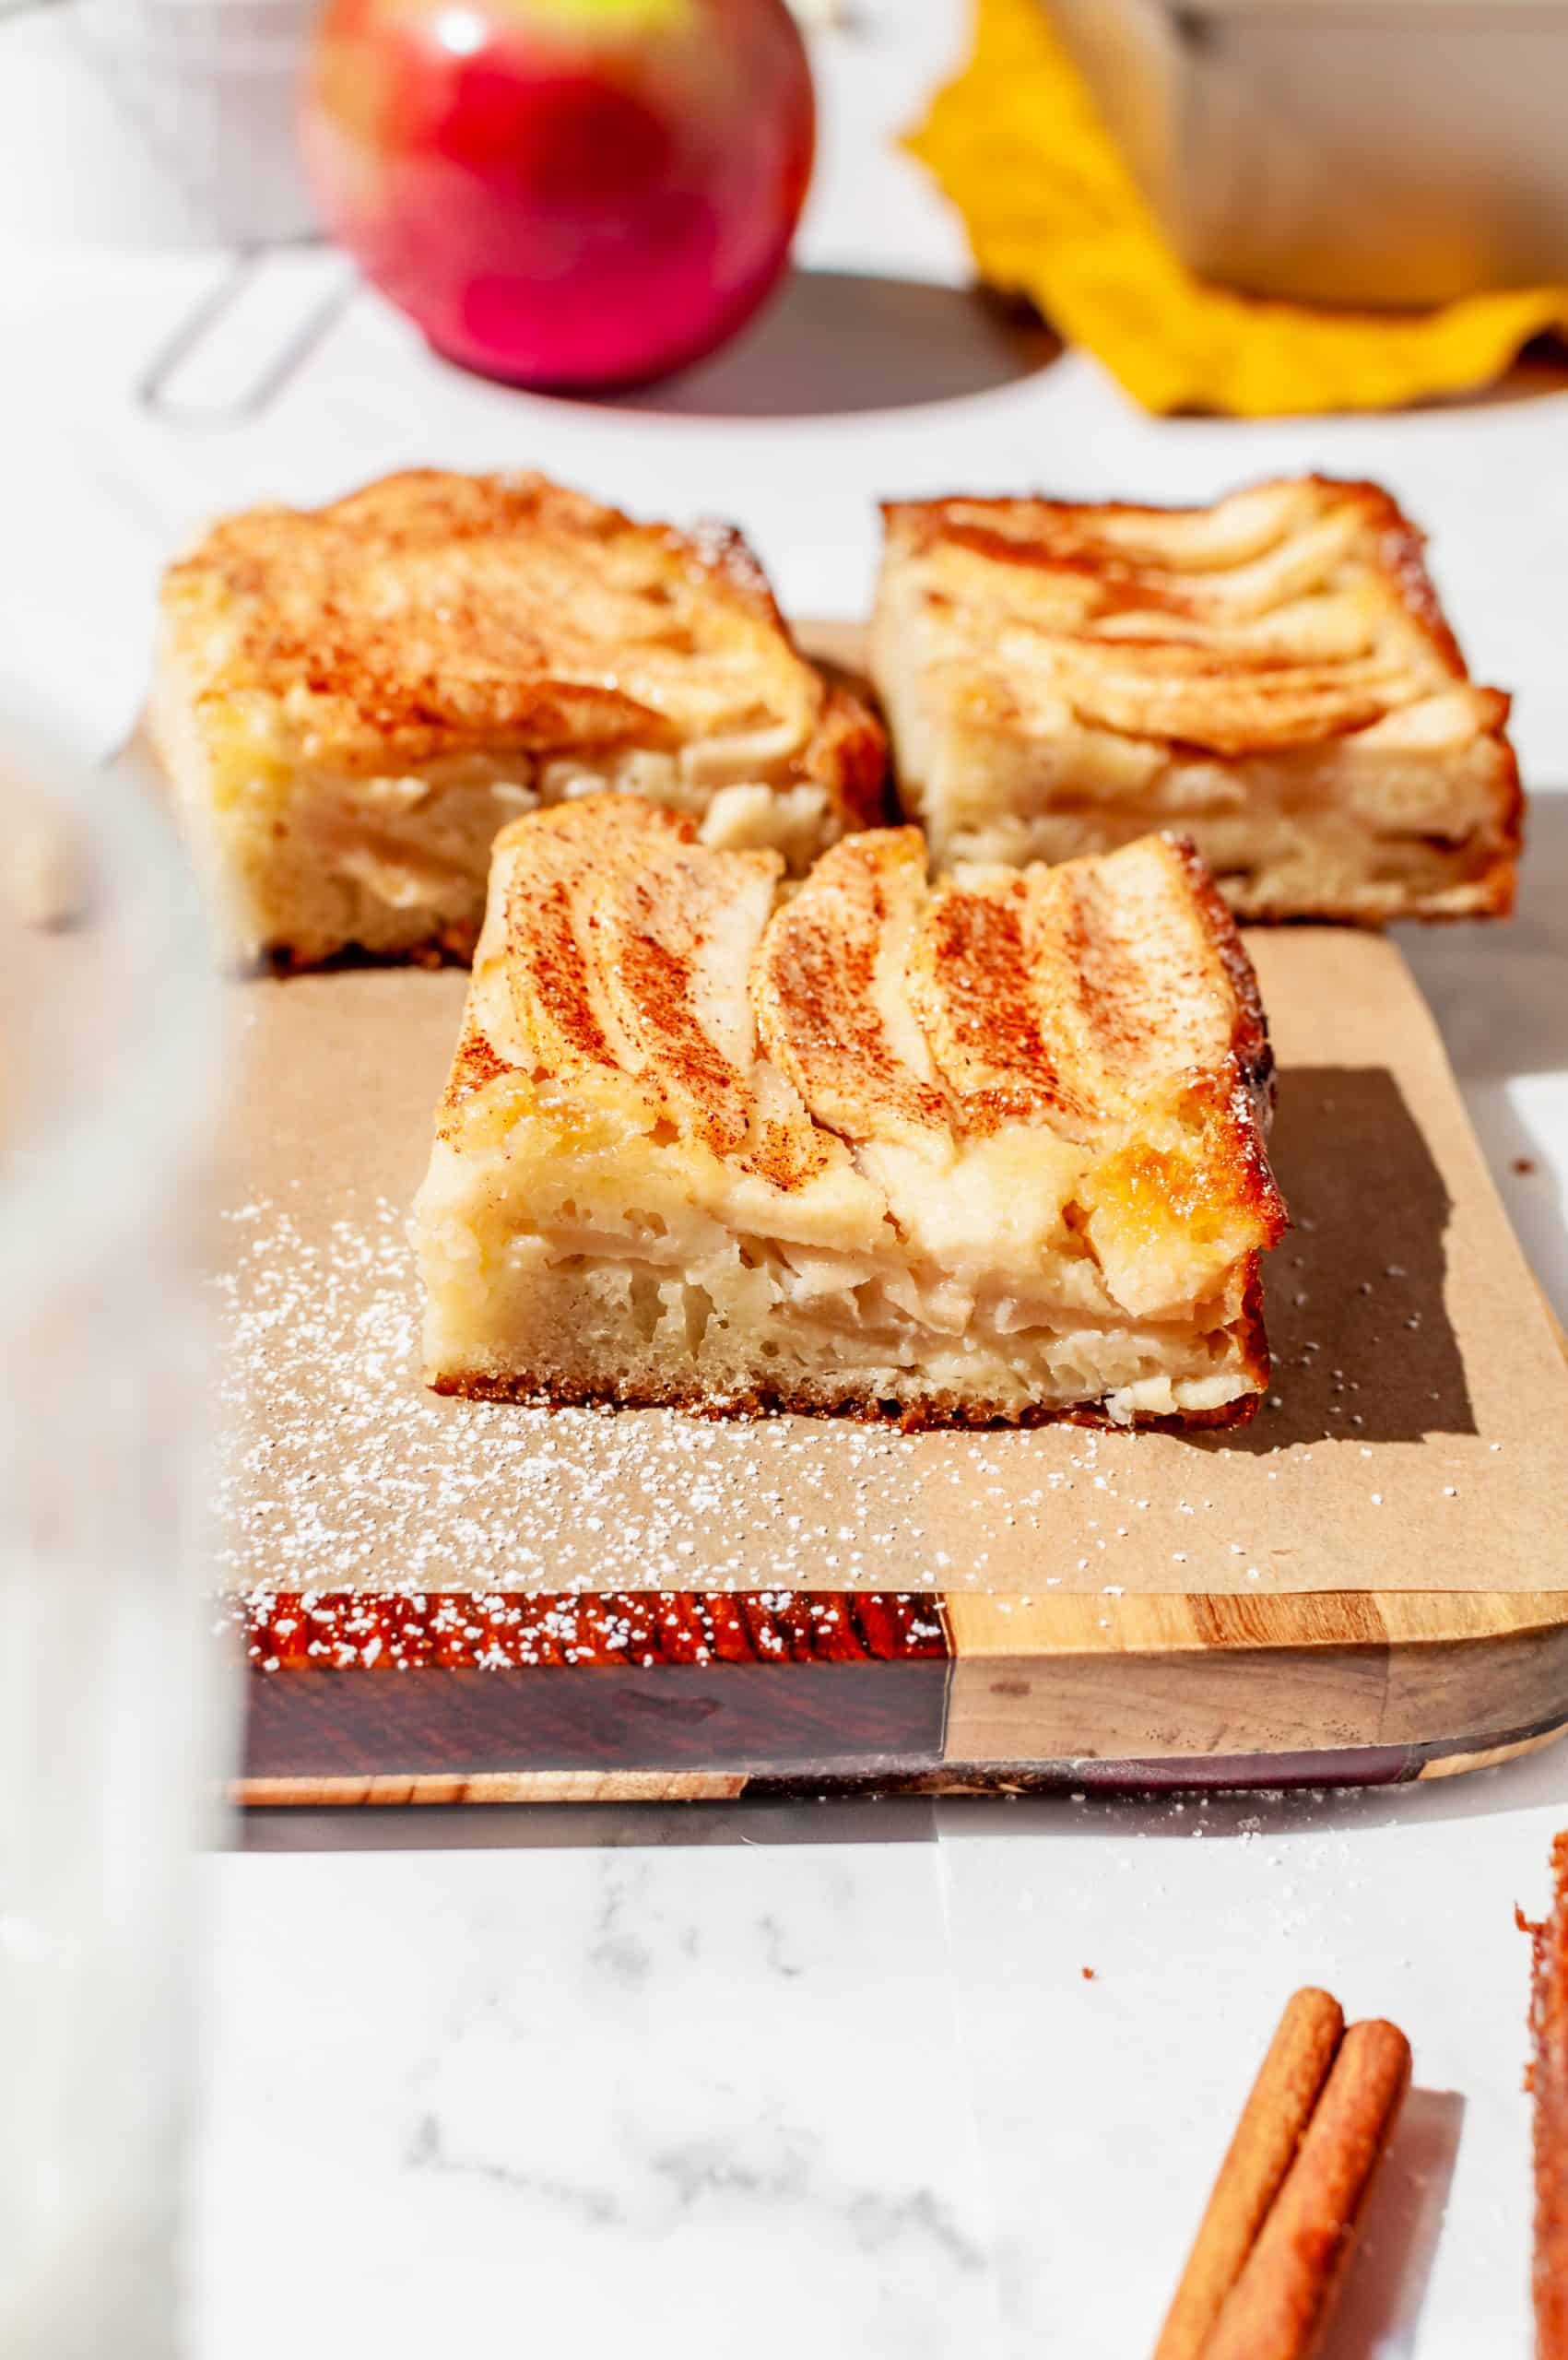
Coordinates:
(339, 1470)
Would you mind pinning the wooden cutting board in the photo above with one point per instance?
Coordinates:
(455, 1602)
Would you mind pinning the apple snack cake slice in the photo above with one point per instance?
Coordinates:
(351, 701)
(989, 1150)
(1272, 676)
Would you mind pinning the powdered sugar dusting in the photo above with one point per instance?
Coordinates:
(340, 1471)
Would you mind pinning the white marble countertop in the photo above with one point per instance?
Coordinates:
(826, 2078)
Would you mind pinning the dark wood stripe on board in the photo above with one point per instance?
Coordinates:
(757, 1680)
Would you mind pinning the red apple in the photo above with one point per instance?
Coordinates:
(563, 193)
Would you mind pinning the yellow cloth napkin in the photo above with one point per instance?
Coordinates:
(1054, 213)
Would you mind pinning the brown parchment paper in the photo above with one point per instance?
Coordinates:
(1419, 1437)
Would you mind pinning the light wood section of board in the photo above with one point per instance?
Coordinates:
(1459, 1766)
(1161, 1678)
(983, 1624)
(497, 1787)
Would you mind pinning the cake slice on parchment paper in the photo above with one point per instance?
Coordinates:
(987, 1150)
(1272, 676)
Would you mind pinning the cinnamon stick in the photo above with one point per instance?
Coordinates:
(1548, 2081)
(1259, 2155)
(1279, 2306)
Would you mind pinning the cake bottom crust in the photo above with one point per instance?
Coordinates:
(933, 1412)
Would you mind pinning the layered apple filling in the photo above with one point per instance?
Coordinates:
(989, 1150)
(1351, 832)
(392, 863)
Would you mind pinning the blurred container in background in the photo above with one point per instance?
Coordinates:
(210, 90)
(1389, 153)
(113, 1699)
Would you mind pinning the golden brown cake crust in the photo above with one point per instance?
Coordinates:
(1249, 1043)
(935, 1412)
(1064, 535)
(1548, 2081)
(832, 1003)
(1254, 1054)
(432, 614)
